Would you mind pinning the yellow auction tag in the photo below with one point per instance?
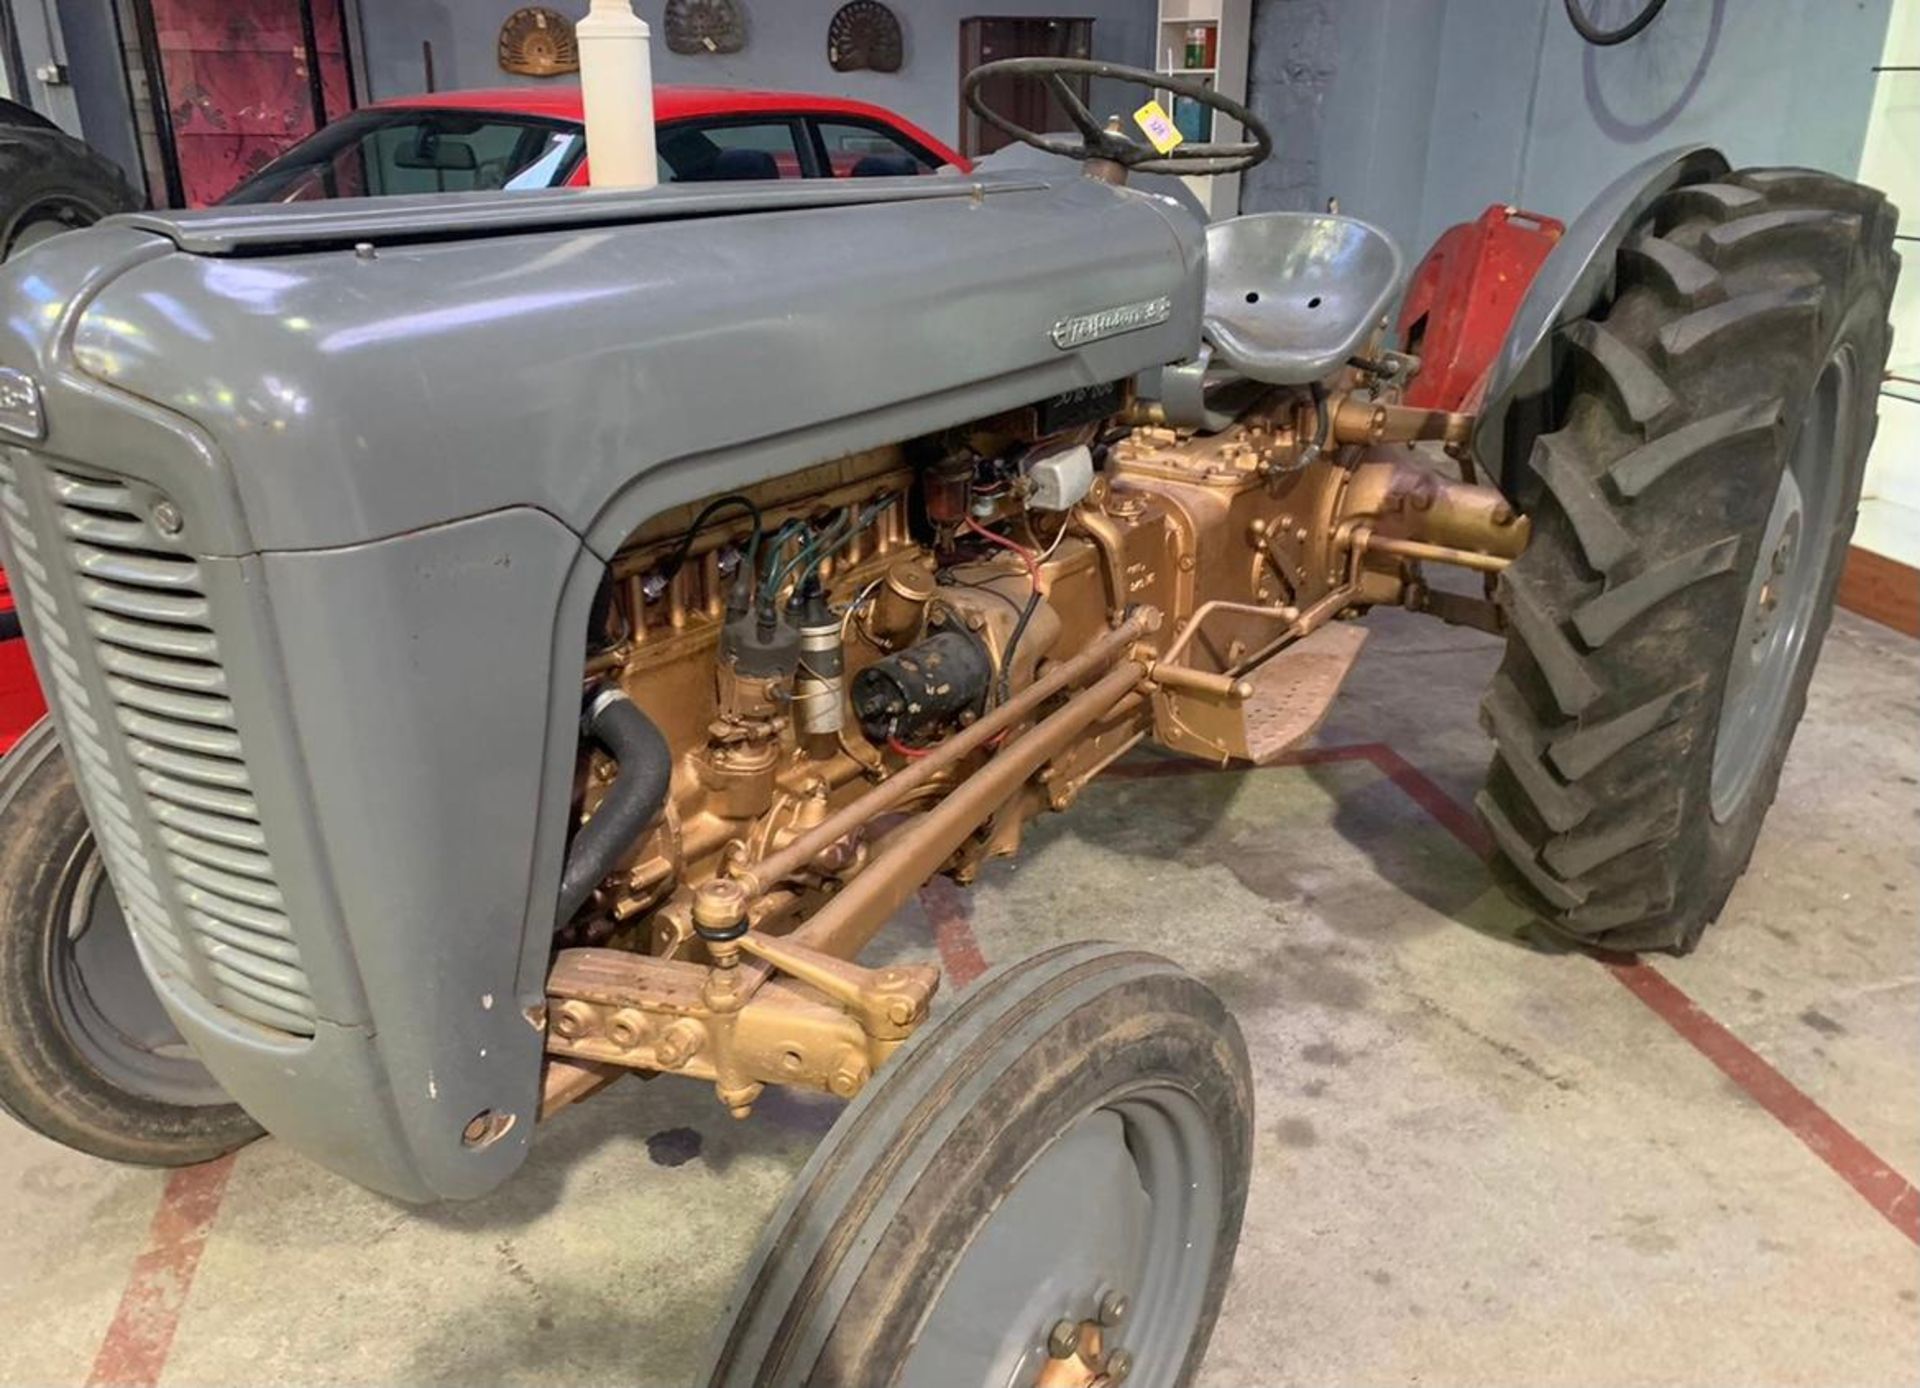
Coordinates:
(1158, 127)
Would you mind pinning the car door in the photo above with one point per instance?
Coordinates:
(851, 146)
(726, 149)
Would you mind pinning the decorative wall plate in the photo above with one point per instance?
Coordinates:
(705, 26)
(538, 42)
(864, 34)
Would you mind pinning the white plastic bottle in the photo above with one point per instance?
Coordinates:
(616, 88)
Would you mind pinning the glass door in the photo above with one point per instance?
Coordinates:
(225, 86)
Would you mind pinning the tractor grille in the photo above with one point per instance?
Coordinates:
(199, 883)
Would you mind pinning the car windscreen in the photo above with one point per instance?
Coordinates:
(374, 153)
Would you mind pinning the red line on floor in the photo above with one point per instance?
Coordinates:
(1425, 792)
(1180, 766)
(1851, 1159)
(1884, 1188)
(947, 907)
(138, 1340)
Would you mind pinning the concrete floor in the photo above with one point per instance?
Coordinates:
(1477, 1163)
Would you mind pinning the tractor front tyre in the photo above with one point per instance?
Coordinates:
(1043, 1186)
(1690, 519)
(88, 1057)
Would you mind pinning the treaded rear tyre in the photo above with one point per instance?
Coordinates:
(1744, 343)
(50, 182)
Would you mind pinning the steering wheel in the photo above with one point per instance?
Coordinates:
(1097, 142)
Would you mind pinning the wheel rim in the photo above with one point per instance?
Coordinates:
(1111, 1230)
(1784, 591)
(104, 1002)
(43, 220)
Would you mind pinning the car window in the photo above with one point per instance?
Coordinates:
(374, 152)
(722, 151)
(858, 150)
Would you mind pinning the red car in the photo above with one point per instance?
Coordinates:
(534, 137)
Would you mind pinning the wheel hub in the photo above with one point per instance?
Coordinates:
(1783, 593)
(43, 221)
(1110, 1226)
(1777, 571)
(1078, 1352)
(107, 1008)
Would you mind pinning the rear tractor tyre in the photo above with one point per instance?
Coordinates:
(51, 183)
(87, 1055)
(1691, 516)
(1044, 1186)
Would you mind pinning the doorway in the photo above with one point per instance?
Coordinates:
(1029, 104)
(221, 87)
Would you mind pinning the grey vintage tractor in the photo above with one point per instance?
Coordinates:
(498, 643)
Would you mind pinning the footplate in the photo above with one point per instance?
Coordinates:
(1290, 695)
(1293, 691)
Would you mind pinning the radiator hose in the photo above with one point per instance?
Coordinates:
(632, 802)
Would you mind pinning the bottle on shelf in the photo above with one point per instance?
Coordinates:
(1198, 42)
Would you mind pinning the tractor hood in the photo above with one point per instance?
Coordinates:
(332, 374)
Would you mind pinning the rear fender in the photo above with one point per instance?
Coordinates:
(1575, 277)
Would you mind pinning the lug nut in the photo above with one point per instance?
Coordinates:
(1113, 1309)
(1119, 1364)
(485, 1128)
(1063, 1341)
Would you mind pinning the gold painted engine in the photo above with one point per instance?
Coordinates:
(801, 643)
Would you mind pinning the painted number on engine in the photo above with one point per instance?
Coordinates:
(1158, 127)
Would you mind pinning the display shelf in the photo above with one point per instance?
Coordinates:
(1198, 11)
(1228, 25)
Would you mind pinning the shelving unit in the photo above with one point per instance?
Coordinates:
(1218, 32)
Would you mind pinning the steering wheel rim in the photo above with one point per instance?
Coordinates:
(1097, 142)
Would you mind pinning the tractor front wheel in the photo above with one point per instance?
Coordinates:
(1691, 516)
(1044, 1186)
(88, 1057)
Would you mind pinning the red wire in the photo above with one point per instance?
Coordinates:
(1031, 559)
(911, 753)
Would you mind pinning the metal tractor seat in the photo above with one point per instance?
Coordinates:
(1292, 295)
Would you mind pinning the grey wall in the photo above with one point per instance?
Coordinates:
(99, 82)
(36, 30)
(1418, 113)
(1348, 88)
(786, 47)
